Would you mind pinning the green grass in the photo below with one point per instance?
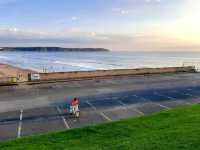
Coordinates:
(175, 129)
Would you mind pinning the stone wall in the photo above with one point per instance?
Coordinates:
(117, 72)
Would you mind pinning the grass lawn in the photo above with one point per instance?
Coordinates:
(175, 129)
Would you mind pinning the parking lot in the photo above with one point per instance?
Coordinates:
(95, 109)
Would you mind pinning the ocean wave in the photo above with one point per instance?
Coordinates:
(3, 57)
(78, 64)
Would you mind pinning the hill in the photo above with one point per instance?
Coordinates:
(59, 49)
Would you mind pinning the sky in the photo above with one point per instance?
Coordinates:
(114, 24)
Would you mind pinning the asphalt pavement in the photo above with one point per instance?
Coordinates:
(106, 100)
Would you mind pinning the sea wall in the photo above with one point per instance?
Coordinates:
(8, 80)
(117, 72)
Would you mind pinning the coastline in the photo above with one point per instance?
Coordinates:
(8, 71)
(10, 74)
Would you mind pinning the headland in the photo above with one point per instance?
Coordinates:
(53, 49)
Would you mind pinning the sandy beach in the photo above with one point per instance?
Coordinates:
(7, 71)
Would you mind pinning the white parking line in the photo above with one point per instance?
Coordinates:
(125, 96)
(135, 109)
(94, 108)
(114, 98)
(172, 98)
(183, 93)
(134, 95)
(189, 89)
(101, 113)
(123, 104)
(63, 118)
(138, 111)
(20, 124)
(106, 117)
(140, 97)
(162, 106)
(189, 94)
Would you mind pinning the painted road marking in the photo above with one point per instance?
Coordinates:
(134, 95)
(151, 101)
(187, 103)
(101, 113)
(125, 96)
(163, 106)
(135, 109)
(183, 93)
(123, 104)
(189, 89)
(63, 118)
(189, 94)
(94, 108)
(114, 98)
(106, 117)
(144, 99)
(140, 97)
(20, 124)
(154, 102)
(172, 98)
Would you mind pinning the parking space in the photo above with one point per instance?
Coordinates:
(40, 112)
(95, 109)
(173, 94)
(194, 91)
(153, 96)
(8, 130)
(174, 104)
(121, 113)
(104, 104)
(87, 118)
(39, 126)
(9, 116)
(132, 99)
(85, 106)
(149, 108)
(9, 125)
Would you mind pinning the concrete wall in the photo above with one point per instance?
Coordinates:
(103, 73)
(8, 80)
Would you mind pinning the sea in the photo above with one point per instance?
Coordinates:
(86, 61)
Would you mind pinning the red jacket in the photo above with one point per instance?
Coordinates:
(74, 102)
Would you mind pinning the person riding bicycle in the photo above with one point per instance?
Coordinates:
(74, 106)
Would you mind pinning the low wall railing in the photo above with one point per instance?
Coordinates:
(116, 72)
(196, 65)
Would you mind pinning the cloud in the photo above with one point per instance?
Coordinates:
(120, 11)
(149, 1)
(152, 39)
(74, 18)
(69, 36)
